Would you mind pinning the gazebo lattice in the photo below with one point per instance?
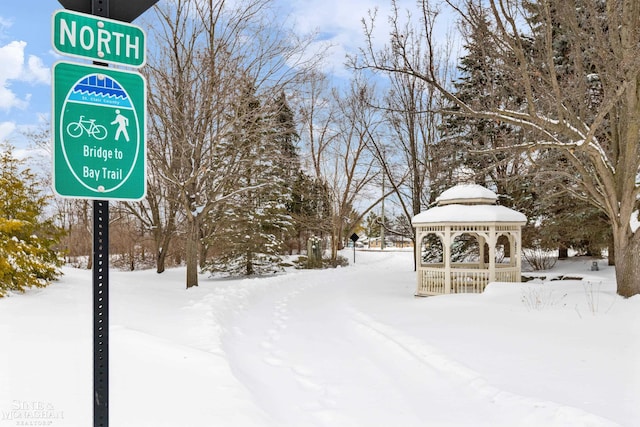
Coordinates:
(466, 242)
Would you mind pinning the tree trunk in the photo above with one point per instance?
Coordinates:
(161, 255)
(163, 241)
(627, 265)
(336, 242)
(249, 271)
(193, 235)
(612, 252)
(204, 249)
(563, 252)
(334, 248)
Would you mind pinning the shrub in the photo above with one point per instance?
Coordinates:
(27, 239)
(539, 259)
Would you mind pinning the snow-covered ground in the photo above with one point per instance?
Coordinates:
(344, 347)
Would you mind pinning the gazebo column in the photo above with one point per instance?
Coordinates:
(517, 254)
(493, 239)
(418, 256)
(481, 242)
(513, 256)
(446, 249)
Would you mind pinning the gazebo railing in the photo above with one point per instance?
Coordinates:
(468, 280)
(508, 274)
(431, 281)
(467, 265)
(463, 280)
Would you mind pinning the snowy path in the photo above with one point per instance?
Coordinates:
(323, 365)
(310, 354)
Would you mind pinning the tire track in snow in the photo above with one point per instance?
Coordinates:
(545, 413)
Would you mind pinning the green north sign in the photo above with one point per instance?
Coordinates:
(100, 39)
(98, 132)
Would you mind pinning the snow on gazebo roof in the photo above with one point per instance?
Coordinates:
(468, 203)
(467, 193)
(468, 214)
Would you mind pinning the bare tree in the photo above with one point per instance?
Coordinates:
(206, 50)
(317, 114)
(416, 162)
(159, 214)
(350, 169)
(591, 113)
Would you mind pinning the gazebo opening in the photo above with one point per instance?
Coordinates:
(431, 250)
(467, 241)
(503, 250)
(465, 249)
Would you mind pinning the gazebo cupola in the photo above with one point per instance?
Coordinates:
(467, 241)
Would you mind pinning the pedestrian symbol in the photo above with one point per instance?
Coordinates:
(122, 123)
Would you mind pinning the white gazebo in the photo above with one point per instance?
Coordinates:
(467, 241)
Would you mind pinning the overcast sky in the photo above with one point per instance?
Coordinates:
(26, 55)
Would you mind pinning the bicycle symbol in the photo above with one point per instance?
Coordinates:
(76, 129)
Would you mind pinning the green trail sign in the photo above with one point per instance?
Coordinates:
(98, 133)
(99, 39)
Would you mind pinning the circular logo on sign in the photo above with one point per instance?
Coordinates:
(100, 138)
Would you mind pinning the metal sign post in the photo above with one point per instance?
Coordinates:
(100, 313)
(99, 146)
(101, 291)
(354, 238)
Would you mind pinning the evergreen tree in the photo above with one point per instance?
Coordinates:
(256, 220)
(483, 74)
(560, 220)
(564, 221)
(310, 209)
(27, 240)
(531, 187)
(372, 225)
(286, 137)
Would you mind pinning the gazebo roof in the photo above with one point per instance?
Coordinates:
(468, 203)
(468, 214)
(467, 194)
